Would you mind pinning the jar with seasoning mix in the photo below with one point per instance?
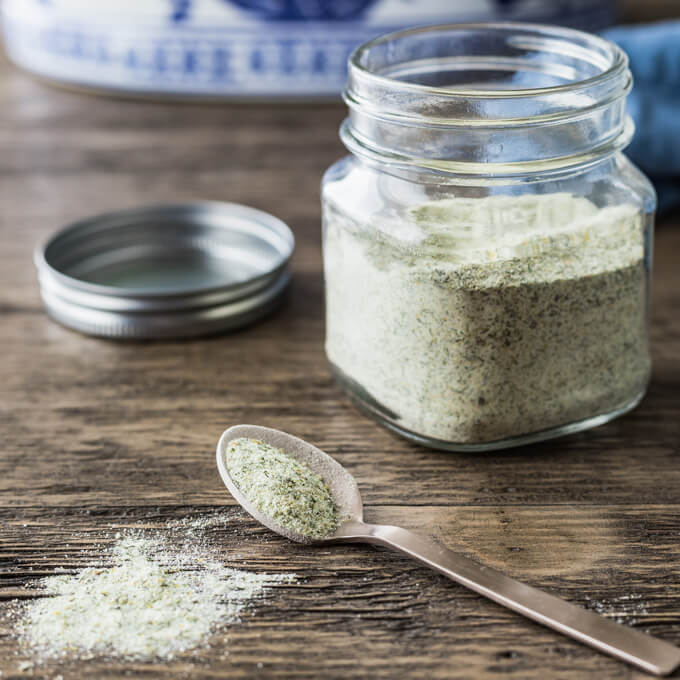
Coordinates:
(487, 245)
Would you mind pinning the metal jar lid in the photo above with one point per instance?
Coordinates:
(166, 271)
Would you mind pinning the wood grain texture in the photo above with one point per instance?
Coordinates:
(99, 436)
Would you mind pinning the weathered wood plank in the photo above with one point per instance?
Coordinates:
(400, 616)
(99, 414)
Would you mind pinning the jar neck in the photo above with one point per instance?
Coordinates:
(493, 100)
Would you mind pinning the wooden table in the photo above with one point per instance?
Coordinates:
(98, 436)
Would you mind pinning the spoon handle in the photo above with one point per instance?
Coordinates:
(641, 650)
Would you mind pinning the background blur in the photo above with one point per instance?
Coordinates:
(275, 50)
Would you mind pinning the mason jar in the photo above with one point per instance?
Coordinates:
(487, 246)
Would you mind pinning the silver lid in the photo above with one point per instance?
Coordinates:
(166, 271)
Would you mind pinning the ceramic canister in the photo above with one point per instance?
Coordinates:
(235, 48)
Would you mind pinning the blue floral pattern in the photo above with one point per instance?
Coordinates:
(287, 10)
(325, 10)
(294, 48)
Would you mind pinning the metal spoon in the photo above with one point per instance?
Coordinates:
(644, 651)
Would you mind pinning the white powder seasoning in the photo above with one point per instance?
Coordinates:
(476, 320)
(154, 602)
(284, 489)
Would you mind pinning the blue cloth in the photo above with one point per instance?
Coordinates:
(654, 103)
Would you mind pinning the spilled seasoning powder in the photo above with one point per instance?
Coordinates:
(281, 487)
(628, 609)
(154, 602)
(474, 320)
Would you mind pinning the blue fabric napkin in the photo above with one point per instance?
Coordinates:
(654, 103)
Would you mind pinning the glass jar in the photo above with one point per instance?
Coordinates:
(487, 246)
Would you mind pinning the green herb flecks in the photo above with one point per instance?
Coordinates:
(282, 488)
(479, 319)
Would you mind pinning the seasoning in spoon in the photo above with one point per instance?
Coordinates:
(281, 487)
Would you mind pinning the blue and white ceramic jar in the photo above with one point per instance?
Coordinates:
(241, 48)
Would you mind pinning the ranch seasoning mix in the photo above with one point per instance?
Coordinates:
(473, 320)
(487, 244)
(155, 596)
(282, 488)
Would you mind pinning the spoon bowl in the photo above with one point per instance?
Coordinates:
(342, 485)
(644, 651)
